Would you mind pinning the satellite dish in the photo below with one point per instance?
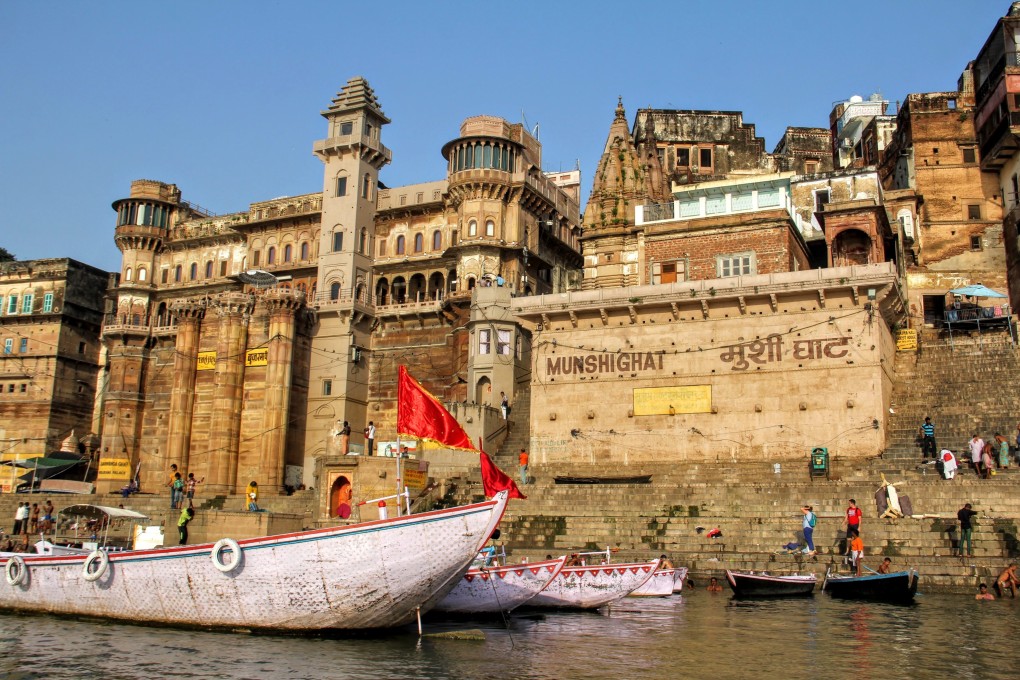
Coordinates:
(258, 278)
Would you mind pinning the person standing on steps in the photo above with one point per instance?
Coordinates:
(928, 448)
(1003, 447)
(966, 530)
(504, 405)
(852, 522)
(522, 461)
(370, 439)
(187, 514)
(977, 447)
(810, 519)
(345, 439)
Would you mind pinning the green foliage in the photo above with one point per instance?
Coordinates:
(6, 255)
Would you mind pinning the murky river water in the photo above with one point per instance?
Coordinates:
(702, 635)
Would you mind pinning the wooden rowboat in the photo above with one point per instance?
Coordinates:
(898, 587)
(593, 587)
(749, 584)
(490, 590)
(659, 585)
(375, 574)
(678, 579)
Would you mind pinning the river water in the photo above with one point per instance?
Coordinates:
(699, 635)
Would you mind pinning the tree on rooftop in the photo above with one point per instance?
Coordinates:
(6, 255)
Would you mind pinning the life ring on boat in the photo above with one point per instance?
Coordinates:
(90, 561)
(16, 571)
(217, 555)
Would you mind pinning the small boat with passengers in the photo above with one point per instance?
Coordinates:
(898, 587)
(747, 584)
(376, 574)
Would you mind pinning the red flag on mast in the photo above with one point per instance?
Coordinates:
(420, 415)
(495, 480)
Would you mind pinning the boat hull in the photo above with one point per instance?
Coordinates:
(659, 585)
(593, 587)
(358, 577)
(898, 587)
(678, 579)
(490, 590)
(745, 585)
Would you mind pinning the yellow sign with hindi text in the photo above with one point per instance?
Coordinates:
(206, 361)
(256, 357)
(651, 401)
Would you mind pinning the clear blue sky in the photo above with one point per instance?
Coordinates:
(222, 98)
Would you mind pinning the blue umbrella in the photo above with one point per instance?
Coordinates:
(977, 290)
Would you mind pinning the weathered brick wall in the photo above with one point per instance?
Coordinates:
(774, 246)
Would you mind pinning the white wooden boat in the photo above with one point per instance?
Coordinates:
(659, 585)
(490, 590)
(593, 587)
(362, 576)
(678, 579)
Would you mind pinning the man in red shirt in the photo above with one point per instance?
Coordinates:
(853, 519)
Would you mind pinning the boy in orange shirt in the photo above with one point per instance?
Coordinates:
(522, 461)
(856, 550)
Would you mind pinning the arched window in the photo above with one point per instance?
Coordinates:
(142, 276)
(127, 274)
(400, 245)
(382, 248)
(366, 183)
(437, 240)
(490, 228)
(363, 241)
(288, 252)
(177, 274)
(193, 273)
(208, 269)
(334, 291)
(472, 228)
(271, 256)
(419, 243)
(304, 251)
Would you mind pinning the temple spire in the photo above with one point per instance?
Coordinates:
(624, 178)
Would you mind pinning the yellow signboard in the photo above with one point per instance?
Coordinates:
(114, 468)
(415, 479)
(256, 357)
(906, 340)
(650, 401)
(206, 361)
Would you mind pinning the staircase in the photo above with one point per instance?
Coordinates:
(965, 387)
(519, 435)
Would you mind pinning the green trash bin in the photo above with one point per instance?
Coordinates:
(820, 462)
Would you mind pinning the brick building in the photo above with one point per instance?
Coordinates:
(51, 312)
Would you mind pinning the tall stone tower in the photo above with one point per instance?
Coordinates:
(352, 155)
(143, 220)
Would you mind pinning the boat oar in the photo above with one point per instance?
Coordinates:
(869, 568)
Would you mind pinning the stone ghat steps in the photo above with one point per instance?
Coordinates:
(922, 537)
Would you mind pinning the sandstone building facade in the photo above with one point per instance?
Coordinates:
(239, 343)
(51, 315)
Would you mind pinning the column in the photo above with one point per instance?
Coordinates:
(189, 315)
(283, 304)
(233, 310)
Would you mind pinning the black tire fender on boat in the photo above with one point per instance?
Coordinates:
(15, 570)
(90, 561)
(217, 555)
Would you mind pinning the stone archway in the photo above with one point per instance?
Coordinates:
(851, 246)
(340, 494)
(483, 391)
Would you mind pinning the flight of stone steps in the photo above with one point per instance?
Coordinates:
(758, 513)
(966, 386)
